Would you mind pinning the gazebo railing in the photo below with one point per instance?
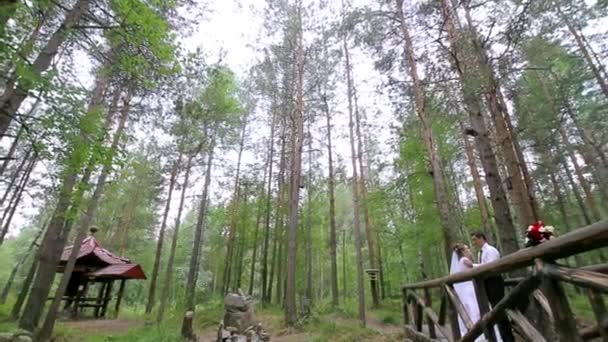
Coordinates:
(542, 283)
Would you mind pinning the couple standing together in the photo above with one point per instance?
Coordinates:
(462, 261)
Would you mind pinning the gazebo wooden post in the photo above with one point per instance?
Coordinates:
(77, 300)
(121, 290)
(107, 297)
(99, 297)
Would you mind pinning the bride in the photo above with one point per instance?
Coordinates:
(462, 261)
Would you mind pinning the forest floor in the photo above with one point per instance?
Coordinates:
(324, 324)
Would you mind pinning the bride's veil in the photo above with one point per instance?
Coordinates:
(455, 264)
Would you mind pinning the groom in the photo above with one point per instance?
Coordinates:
(494, 285)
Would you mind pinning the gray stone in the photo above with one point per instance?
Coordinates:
(239, 312)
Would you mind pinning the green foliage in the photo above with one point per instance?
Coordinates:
(143, 42)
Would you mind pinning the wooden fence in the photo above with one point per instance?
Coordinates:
(536, 276)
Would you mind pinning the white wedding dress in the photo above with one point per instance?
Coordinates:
(466, 293)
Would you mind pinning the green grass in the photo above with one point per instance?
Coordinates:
(325, 323)
(152, 333)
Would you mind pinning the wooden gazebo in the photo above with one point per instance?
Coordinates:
(96, 266)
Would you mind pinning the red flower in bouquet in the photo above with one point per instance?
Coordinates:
(538, 233)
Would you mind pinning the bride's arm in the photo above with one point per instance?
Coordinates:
(467, 262)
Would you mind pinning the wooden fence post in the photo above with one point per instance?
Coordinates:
(565, 325)
(484, 307)
(599, 309)
(428, 303)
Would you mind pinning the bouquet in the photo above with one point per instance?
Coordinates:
(538, 233)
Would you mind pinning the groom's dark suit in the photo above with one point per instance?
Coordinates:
(495, 289)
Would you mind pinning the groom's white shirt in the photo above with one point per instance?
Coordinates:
(488, 254)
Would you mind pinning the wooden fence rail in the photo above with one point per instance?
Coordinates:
(541, 282)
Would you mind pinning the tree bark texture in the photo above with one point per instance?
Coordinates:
(447, 219)
(466, 69)
(161, 235)
(187, 331)
(169, 272)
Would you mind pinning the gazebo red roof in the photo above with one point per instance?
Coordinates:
(101, 263)
(126, 271)
(91, 247)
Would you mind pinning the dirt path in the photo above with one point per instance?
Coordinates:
(112, 327)
(373, 322)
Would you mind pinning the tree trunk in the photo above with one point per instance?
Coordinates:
(161, 235)
(279, 225)
(16, 198)
(462, 63)
(11, 278)
(581, 178)
(269, 163)
(576, 192)
(254, 254)
(595, 69)
(11, 151)
(332, 212)
(517, 171)
(356, 192)
(369, 227)
(344, 283)
(15, 95)
(50, 253)
(586, 137)
(295, 174)
(25, 289)
(447, 219)
(527, 214)
(15, 174)
(525, 171)
(234, 213)
(187, 331)
(57, 232)
(591, 151)
(308, 255)
(477, 184)
(49, 322)
(169, 272)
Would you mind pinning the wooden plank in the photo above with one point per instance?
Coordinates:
(565, 325)
(419, 317)
(510, 282)
(411, 313)
(527, 328)
(575, 242)
(544, 304)
(427, 311)
(457, 304)
(434, 321)
(510, 300)
(599, 310)
(412, 335)
(443, 310)
(484, 307)
(456, 334)
(583, 278)
(406, 316)
(600, 268)
(428, 303)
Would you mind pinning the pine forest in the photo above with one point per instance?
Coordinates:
(164, 163)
